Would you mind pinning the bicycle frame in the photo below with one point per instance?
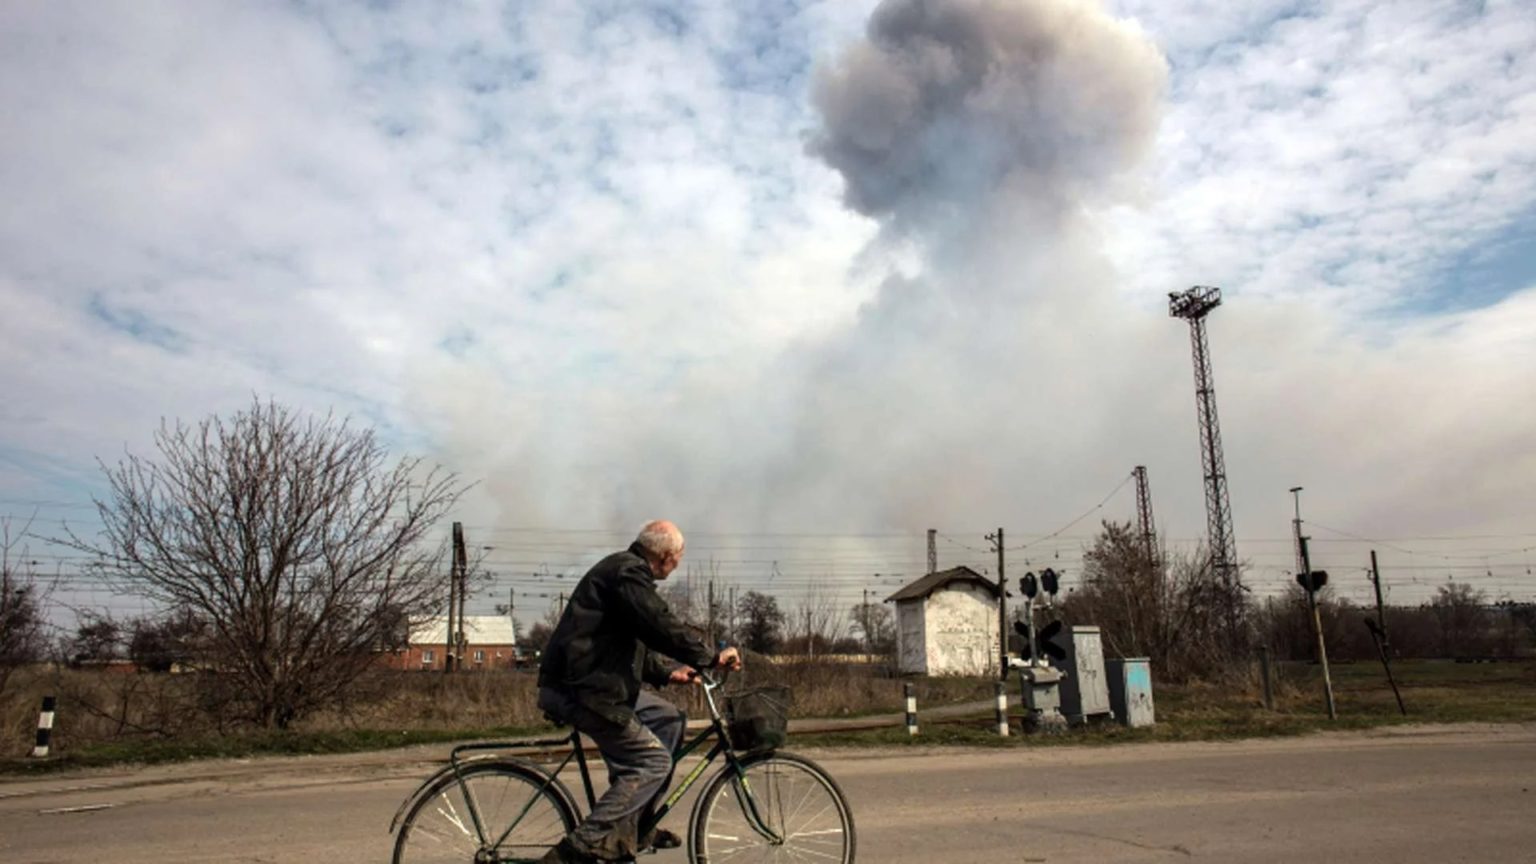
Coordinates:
(721, 746)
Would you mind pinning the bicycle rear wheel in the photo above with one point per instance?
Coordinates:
(795, 799)
(522, 813)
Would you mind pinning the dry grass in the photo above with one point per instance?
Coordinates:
(124, 713)
(114, 717)
(1434, 692)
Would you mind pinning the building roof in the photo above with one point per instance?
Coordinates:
(478, 630)
(942, 579)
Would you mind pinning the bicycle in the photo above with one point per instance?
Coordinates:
(762, 805)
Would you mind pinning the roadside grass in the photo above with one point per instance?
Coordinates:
(251, 745)
(480, 706)
(114, 718)
(1433, 692)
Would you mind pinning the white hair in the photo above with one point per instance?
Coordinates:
(660, 538)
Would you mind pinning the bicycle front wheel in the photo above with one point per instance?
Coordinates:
(522, 812)
(799, 803)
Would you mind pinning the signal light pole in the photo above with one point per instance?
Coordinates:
(1312, 582)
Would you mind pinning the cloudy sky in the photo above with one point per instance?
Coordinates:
(808, 277)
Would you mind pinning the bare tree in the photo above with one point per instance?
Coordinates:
(1461, 611)
(762, 622)
(22, 636)
(820, 620)
(685, 597)
(97, 639)
(535, 638)
(164, 643)
(1176, 611)
(293, 538)
(1522, 617)
(877, 630)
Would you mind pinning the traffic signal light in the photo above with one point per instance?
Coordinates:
(1029, 586)
(1050, 581)
(1312, 582)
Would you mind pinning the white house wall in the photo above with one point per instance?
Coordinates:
(961, 631)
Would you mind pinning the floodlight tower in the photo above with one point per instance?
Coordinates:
(1144, 514)
(1193, 305)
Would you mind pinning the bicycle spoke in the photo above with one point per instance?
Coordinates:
(795, 801)
(517, 810)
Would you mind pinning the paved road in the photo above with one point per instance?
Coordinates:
(1426, 794)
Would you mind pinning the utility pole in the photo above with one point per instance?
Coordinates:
(864, 624)
(512, 610)
(1379, 635)
(453, 588)
(1381, 614)
(1311, 586)
(1002, 606)
(450, 642)
(711, 627)
(933, 551)
(461, 574)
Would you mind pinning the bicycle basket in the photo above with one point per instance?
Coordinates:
(758, 719)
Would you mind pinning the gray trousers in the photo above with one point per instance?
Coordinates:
(639, 758)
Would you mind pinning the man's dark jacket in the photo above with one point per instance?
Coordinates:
(602, 648)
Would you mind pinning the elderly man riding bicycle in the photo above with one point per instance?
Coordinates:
(615, 633)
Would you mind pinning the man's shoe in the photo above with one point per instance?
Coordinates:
(565, 852)
(660, 838)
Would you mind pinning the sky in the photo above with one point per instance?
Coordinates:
(809, 278)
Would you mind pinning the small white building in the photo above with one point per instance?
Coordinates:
(946, 624)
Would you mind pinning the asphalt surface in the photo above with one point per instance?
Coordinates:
(1411, 794)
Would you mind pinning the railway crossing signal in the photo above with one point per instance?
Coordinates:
(1045, 643)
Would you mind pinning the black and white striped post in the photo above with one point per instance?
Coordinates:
(1002, 710)
(911, 709)
(44, 727)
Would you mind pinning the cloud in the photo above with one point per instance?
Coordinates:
(1339, 152)
(615, 261)
(942, 102)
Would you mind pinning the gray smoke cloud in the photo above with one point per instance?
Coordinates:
(948, 104)
(979, 131)
(975, 380)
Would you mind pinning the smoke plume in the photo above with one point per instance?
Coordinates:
(949, 104)
(976, 133)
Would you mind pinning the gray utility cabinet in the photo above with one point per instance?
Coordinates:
(1130, 690)
(1085, 690)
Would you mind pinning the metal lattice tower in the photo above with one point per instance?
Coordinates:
(1144, 513)
(1193, 305)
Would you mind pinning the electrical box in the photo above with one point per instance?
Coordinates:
(1130, 690)
(1085, 690)
(1041, 689)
